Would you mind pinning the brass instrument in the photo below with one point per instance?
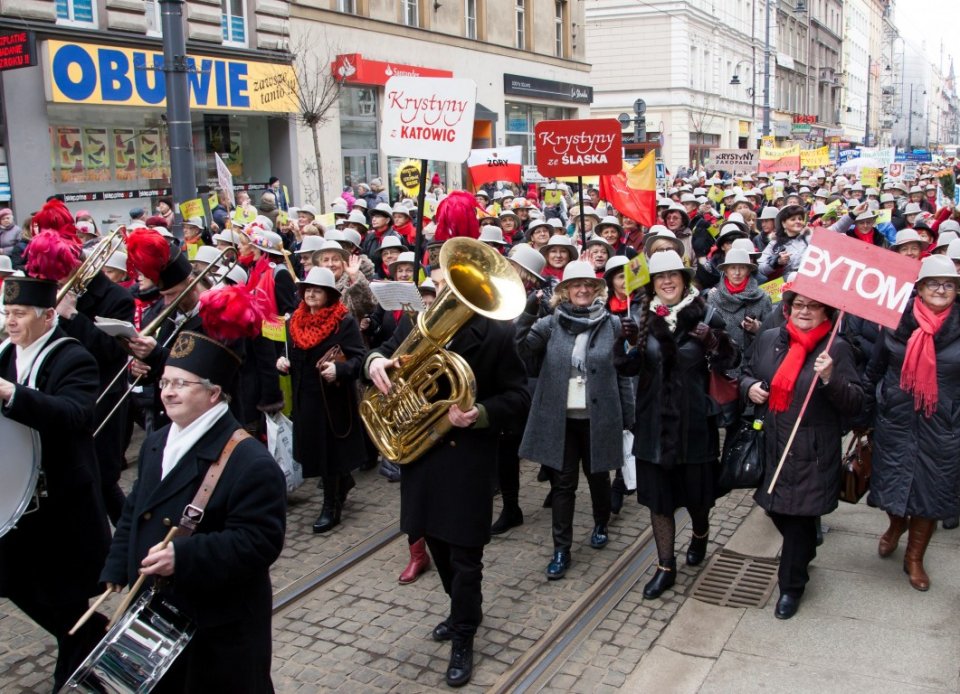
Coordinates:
(153, 326)
(93, 263)
(412, 417)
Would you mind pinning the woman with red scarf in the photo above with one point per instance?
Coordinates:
(784, 362)
(327, 436)
(916, 461)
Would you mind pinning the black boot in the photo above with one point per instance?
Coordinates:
(346, 484)
(548, 500)
(618, 490)
(951, 523)
(510, 517)
(558, 566)
(698, 549)
(665, 577)
(461, 661)
(330, 513)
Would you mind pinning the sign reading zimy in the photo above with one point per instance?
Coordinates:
(428, 118)
(578, 147)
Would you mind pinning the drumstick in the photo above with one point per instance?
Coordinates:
(122, 607)
(89, 613)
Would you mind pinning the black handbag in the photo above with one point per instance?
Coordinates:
(744, 454)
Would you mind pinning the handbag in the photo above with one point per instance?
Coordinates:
(744, 455)
(334, 354)
(856, 469)
(577, 393)
(725, 392)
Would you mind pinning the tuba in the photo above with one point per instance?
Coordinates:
(412, 417)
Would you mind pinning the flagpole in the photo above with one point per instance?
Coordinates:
(583, 233)
(418, 243)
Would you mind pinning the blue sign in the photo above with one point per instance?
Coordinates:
(845, 155)
(916, 156)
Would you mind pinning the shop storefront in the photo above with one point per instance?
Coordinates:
(102, 126)
(523, 112)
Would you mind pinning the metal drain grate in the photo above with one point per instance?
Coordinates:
(733, 580)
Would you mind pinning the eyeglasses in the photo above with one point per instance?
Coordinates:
(806, 307)
(177, 383)
(937, 285)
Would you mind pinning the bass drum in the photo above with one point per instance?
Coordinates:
(18, 473)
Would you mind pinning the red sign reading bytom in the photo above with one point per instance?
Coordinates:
(17, 50)
(578, 147)
(859, 278)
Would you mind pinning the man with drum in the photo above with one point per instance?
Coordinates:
(50, 561)
(219, 575)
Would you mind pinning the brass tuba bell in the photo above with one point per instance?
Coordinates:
(412, 417)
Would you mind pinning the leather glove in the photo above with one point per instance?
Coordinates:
(706, 336)
(629, 330)
(533, 304)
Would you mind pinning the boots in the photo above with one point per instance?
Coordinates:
(510, 517)
(920, 532)
(419, 562)
(618, 490)
(665, 577)
(698, 549)
(891, 538)
(330, 513)
(460, 669)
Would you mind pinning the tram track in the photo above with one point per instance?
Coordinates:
(542, 661)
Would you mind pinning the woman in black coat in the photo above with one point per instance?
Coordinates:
(914, 389)
(783, 363)
(327, 436)
(676, 440)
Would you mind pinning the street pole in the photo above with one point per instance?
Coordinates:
(866, 122)
(179, 126)
(910, 122)
(766, 75)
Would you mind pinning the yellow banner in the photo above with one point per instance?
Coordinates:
(636, 273)
(815, 158)
(715, 194)
(87, 73)
(870, 177)
(774, 289)
(191, 208)
(274, 329)
(884, 216)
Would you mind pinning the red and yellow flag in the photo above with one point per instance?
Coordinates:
(633, 191)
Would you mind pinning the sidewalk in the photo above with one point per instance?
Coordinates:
(861, 627)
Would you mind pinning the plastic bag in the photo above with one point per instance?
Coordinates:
(629, 469)
(280, 445)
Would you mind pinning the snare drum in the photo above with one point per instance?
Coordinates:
(19, 471)
(137, 651)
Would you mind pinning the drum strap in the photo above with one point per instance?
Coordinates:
(193, 512)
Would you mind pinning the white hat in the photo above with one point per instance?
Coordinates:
(400, 208)
(357, 217)
(905, 236)
(915, 189)
(382, 209)
(407, 257)
(309, 209)
(235, 274)
(555, 223)
(85, 227)
(228, 236)
(267, 241)
(335, 247)
(728, 229)
(608, 221)
(949, 226)
(562, 241)
(509, 213)
(389, 242)
(482, 192)
(597, 240)
(530, 260)
(351, 236)
(309, 244)
(614, 263)
(667, 261)
(937, 266)
(953, 250)
(195, 222)
(264, 222)
(587, 212)
(117, 261)
(7, 266)
(737, 256)
(911, 208)
(338, 208)
(769, 212)
(745, 245)
(579, 270)
(492, 234)
(945, 238)
(206, 254)
(320, 277)
(535, 224)
(658, 231)
(887, 197)
(360, 202)
(427, 286)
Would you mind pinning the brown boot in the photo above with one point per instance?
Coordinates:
(890, 539)
(921, 530)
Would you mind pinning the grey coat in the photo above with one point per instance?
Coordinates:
(733, 308)
(610, 398)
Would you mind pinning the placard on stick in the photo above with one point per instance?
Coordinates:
(428, 118)
(859, 278)
(589, 147)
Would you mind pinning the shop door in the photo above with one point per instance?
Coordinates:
(359, 166)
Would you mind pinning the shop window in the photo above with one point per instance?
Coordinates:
(76, 12)
(470, 14)
(233, 22)
(411, 12)
(700, 146)
(521, 121)
(359, 142)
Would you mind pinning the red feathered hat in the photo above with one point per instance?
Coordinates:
(54, 216)
(52, 256)
(230, 313)
(457, 216)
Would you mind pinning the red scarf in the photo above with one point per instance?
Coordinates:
(736, 288)
(866, 238)
(408, 232)
(307, 330)
(617, 305)
(919, 372)
(801, 344)
(549, 271)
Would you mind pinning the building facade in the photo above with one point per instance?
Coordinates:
(697, 68)
(527, 59)
(86, 118)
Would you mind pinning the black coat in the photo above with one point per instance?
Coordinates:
(221, 572)
(327, 431)
(676, 420)
(810, 481)
(448, 492)
(55, 554)
(916, 460)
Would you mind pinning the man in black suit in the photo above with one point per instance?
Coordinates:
(50, 562)
(219, 575)
(108, 300)
(446, 495)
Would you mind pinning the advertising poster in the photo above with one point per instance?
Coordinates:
(97, 154)
(235, 162)
(125, 154)
(151, 154)
(70, 155)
